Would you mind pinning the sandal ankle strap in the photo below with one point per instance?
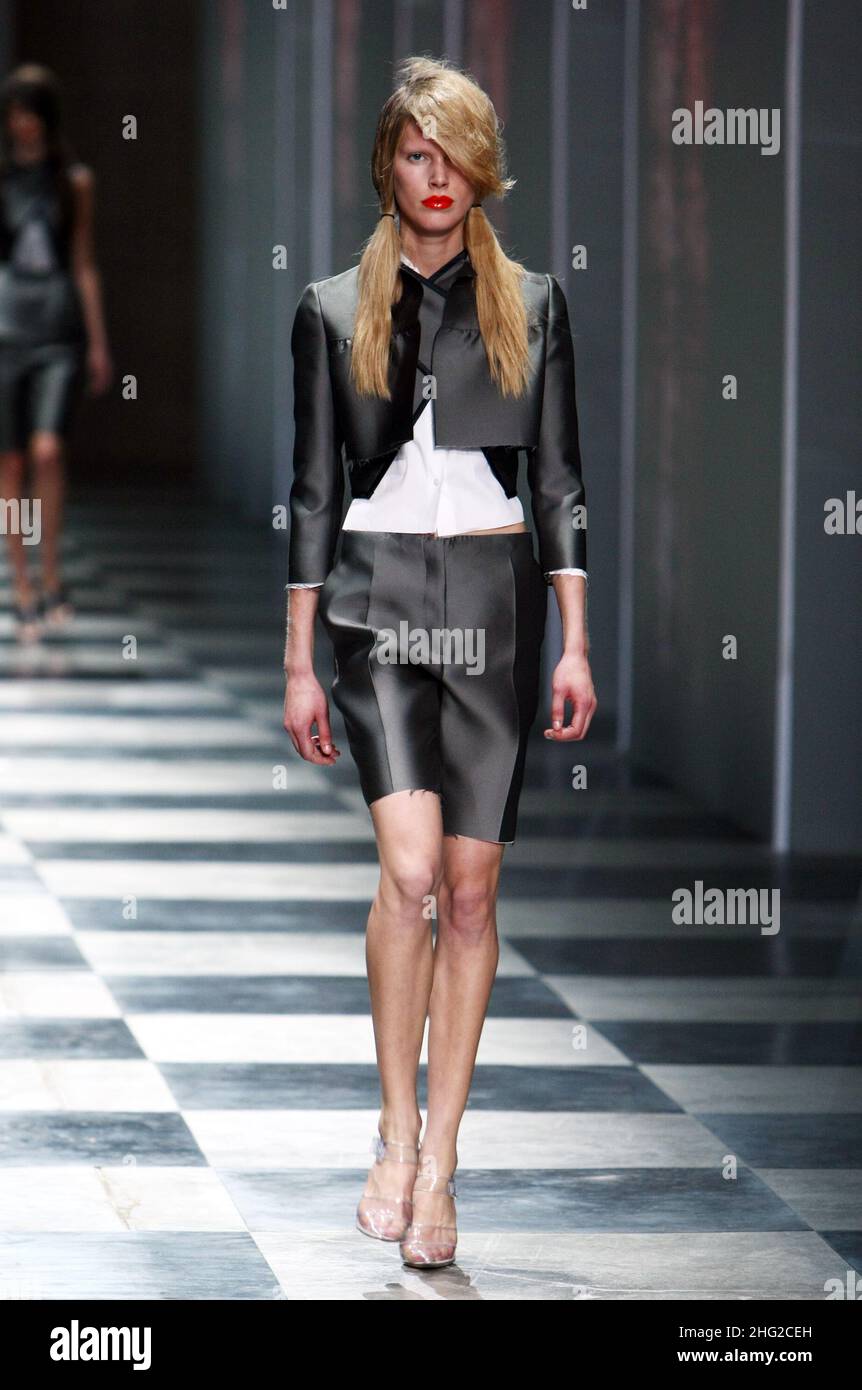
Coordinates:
(424, 1183)
(389, 1148)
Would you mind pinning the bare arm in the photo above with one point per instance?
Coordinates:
(304, 699)
(572, 679)
(88, 280)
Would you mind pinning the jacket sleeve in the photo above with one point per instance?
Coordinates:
(317, 492)
(554, 466)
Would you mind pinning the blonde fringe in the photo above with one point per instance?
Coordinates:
(468, 127)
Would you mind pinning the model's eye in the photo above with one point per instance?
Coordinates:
(417, 154)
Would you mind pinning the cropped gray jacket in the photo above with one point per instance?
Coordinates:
(334, 425)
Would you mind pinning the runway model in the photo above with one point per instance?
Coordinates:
(52, 329)
(427, 368)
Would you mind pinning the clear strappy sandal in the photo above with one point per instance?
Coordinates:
(55, 606)
(29, 619)
(430, 1245)
(387, 1218)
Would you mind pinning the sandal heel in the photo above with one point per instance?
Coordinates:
(386, 1218)
(423, 1239)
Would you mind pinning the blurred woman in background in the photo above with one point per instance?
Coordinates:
(52, 329)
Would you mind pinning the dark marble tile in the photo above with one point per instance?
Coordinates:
(145, 709)
(848, 1244)
(185, 914)
(612, 825)
(841, 882)
(559, 1200)
(217, 851)
(241, 994)
(303, 994)
(272, 800)
(356, 1086)
(139, 1265)
(274, 1085)
(147, 668)
(66, 1039)
(96, 1137)
(789, 1141)
(579, 1088)
(694, 955)
(742, 1044)
(40, 952)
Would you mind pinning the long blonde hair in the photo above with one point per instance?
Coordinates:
(450, 108)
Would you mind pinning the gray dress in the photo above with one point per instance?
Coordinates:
(42, 330)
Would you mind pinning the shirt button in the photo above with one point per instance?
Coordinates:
(436, 482)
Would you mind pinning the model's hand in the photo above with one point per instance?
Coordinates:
(100, 370)
(571, 681)
(305, 704)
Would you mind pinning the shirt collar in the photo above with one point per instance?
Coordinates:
(445, 276)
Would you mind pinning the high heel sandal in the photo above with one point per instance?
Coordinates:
(422, 1239)
(55, 605)
(386, 1218)
(28, 616)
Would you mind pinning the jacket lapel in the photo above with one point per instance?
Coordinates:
(469, 410)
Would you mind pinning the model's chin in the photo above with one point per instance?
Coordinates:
(437, 219)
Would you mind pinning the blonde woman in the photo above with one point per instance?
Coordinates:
(427, 368)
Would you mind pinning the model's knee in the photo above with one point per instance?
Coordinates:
(46, 452)
(471, 907)
(410, 888)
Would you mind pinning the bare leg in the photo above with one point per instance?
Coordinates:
(465, 964)
(399, 958)
(13, 474)
(47, 451)
(13, 469)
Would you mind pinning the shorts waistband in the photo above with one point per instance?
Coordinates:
(419, 539)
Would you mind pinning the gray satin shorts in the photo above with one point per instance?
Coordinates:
(40, 389)
(437, 643)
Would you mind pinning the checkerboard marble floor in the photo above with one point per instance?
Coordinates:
(187, 1071)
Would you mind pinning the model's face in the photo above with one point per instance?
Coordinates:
(25, 127)
(432, 195)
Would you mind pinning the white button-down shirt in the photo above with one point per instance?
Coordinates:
(436, 491)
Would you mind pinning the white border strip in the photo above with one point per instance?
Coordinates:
(784, 712)
(628, 374)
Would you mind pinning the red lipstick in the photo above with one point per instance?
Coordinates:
(437, 200)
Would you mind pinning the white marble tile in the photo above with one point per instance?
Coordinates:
(487, 1139)
(116, 878)
(88, 731)
(185, 777)
(185, 824)
(127, 1197)
(201, 1037)
(547, 1266)
(32, 914)
(750, 1090)
(119, 695)
(12, 852)
(55, 994)
(237, 682)
(525, 1042)
(237, 953)
(715, 999)
(108, 1084)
